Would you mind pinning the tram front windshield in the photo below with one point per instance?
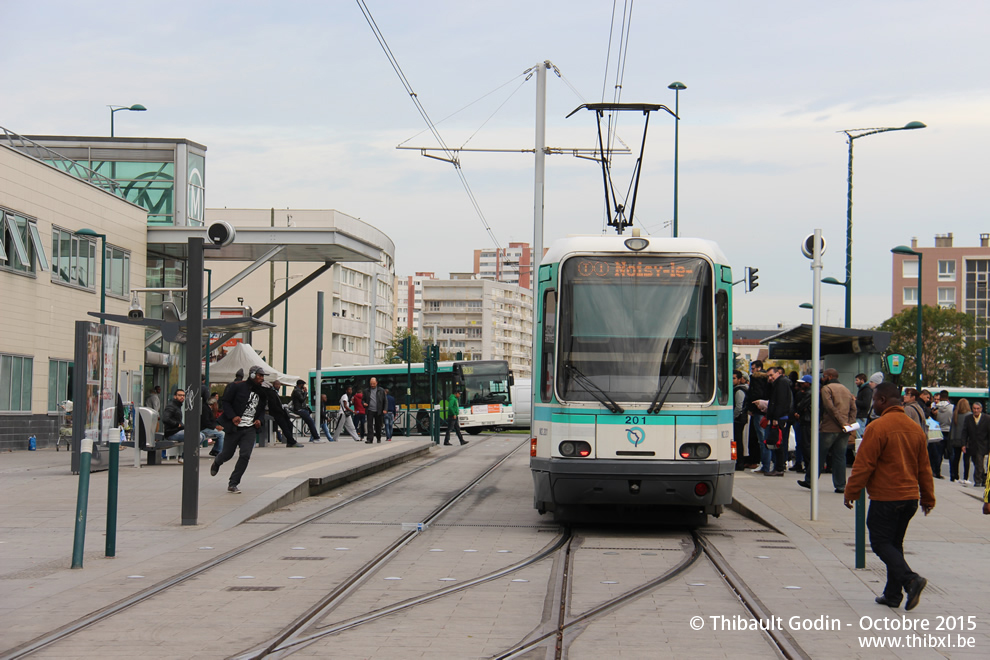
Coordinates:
(484, 382)
(635, 327)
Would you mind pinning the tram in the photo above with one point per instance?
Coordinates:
(632, 377)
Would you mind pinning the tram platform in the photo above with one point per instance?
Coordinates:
(814, 572)
(38, 504)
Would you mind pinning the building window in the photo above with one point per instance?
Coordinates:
(59, 383)
(910, 295)
(15, 383)
(21, 249)
(118, 265)
(909, 269)
(947, 297)
(73, 259)
(946, 270)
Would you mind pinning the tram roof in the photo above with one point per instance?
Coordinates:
(564, 246)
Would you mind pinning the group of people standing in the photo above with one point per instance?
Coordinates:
(367, 413)
(904, 440)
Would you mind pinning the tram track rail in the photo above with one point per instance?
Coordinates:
(783, 644)
(68, 630)
(295, 635)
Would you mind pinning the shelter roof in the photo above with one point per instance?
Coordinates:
(306, 244)
(796, 342)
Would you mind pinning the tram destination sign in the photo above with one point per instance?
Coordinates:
(585, 268)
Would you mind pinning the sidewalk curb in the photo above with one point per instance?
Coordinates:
(316, 485)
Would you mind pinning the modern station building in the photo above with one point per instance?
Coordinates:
(148, 196)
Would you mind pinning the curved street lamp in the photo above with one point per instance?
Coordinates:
(677, 87)
(137, 107)
(853, 134)
(906, 251)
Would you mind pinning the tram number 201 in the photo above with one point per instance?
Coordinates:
(634, 419)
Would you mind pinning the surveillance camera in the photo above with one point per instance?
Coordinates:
(220, 234)
(135, 312)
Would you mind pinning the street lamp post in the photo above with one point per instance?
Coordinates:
(853, 134)
(906, 251)
(677, 87)
(137, 107)
(103, 265)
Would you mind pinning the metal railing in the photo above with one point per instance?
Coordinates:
(57, 160)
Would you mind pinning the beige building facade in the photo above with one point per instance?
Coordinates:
(49, 278)
(481, 319)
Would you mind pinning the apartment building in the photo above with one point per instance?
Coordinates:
(954, 277)
(511, 265)
(482, 319)
(409, 297)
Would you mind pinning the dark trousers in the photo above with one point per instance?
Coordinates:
(455, 424)
(935, 458)
(359, 423)
(314, 433)
(833, 445)
(955, 453)
(376, 422)
(888, 522)
(241, 438)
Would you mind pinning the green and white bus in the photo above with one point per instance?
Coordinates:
(485, 402)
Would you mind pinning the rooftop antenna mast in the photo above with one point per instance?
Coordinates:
(617, 210)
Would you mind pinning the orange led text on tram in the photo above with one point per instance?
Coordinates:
(637, 269)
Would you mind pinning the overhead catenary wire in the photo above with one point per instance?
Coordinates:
(451, 155)
(622, 50)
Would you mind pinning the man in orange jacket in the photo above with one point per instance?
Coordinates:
(892, 464)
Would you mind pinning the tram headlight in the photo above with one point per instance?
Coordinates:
(637, 244)
(567, 449)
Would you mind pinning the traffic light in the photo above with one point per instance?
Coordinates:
(751, 278)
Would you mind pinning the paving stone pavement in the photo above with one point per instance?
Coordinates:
(38, 591)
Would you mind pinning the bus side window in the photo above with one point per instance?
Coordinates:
(548, 344)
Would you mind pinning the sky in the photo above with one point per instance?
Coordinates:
(299, 107)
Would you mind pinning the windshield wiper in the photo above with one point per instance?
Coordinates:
(657, 404)
(590, 387)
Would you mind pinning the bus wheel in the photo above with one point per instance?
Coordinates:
(474, 430)
(423, 422)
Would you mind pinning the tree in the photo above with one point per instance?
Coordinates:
(394, 352)
(950, 351)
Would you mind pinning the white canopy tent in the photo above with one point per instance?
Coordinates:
(242, 356)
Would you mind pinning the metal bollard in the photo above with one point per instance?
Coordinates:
(112, 493)
(82, 499)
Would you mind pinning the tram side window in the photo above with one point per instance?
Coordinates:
(722, 346)
(548, 353)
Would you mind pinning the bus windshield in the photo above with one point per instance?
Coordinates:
(484, 382)
(635, 327)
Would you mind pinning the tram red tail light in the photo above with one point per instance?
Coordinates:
(695, 450)
(532, 446)
(701, 489)
(734, 455)
(571, 448)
